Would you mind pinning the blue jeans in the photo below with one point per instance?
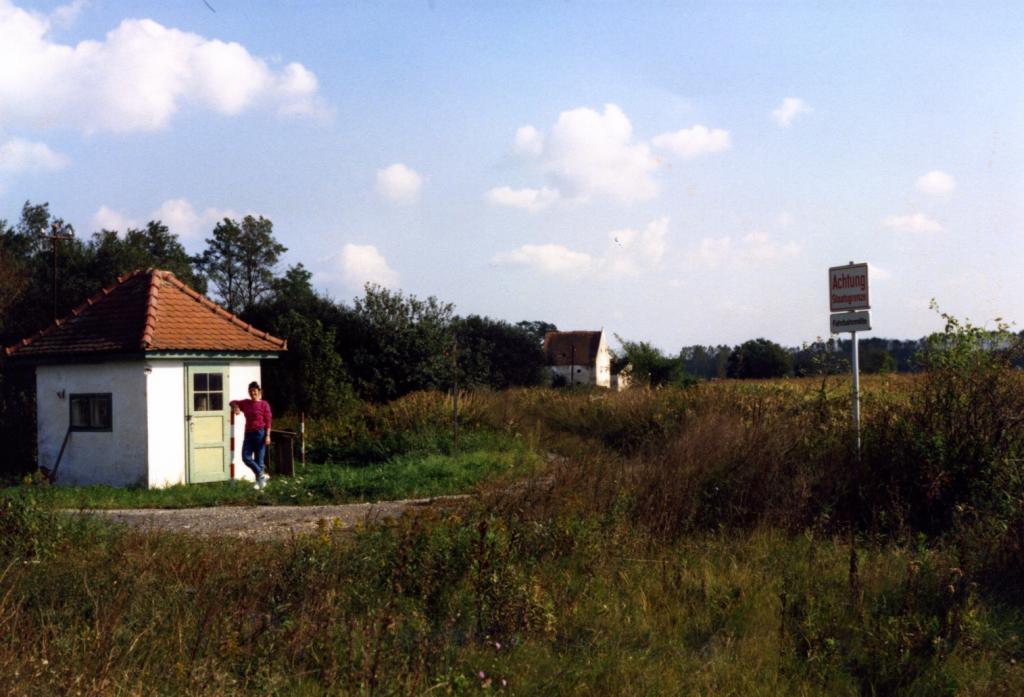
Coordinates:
(254, 450)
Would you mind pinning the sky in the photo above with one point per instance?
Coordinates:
(673, 172)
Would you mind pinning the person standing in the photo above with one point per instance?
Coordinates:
(258, 419)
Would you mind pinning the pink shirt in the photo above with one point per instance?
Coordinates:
(257, 413)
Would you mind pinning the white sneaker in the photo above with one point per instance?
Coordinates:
(262, 480)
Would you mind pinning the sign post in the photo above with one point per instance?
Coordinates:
(849, 304)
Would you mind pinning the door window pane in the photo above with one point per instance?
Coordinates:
(207, 392)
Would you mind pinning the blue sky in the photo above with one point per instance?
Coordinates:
(678, 173)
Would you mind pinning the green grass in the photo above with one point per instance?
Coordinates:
(686, 542)
(409, 475)
(472, 603)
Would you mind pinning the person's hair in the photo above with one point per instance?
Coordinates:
(256, 385)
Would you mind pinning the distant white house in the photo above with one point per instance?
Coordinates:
(132, 388)
(579, 357)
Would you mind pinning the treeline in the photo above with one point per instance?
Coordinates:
(761, 358)
(381, 346)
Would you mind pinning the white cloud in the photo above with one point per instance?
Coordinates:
(550, 258)
(878, 273)
(135, 79)
(399, 184)
(529, 141)
(936, 183)
(631, 250)
(178, 214)
(182, 219)
(755, 248)
(790, 108)
(695, 141)
(593, 154)
(363, 263)
(759, 247)
(917, 222)
(713, 251)
(109, 219)
(66, 15)
(532, 200)
(20, 155)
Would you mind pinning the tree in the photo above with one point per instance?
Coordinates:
(536, 329)
(152, 247)
(705, 361)
(394, 344)
(647, 365)
(295, 286)
(821, 358)
(241, 259)
(759, 358)
(496, 354)
(310, 376)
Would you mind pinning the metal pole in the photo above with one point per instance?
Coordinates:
(455, 393)
(855, 356)
(56, 229)
(53, 244)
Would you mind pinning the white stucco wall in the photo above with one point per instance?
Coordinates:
(241, 374)
(116, 457)
(583, 374)
(165, 396)
(603, 376)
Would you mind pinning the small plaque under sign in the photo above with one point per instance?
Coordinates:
(851, 322)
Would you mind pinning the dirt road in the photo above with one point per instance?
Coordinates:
(263, 521)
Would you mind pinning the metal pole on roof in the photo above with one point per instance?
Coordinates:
(59, 231)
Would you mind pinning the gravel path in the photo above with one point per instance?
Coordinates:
(262, 521)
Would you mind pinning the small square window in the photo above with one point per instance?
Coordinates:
(91, 412)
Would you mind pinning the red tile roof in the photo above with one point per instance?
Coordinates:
(572, 348)
(147, 311)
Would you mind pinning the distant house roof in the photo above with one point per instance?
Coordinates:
(148, 311)
(572, 348)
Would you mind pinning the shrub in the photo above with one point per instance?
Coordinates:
(955, 444)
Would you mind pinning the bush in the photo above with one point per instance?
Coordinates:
(956, 443)
(26, 530)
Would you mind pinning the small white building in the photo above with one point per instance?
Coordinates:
(132, 388)
(579, 357)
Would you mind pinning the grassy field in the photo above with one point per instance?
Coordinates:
(720, 539)
(417, 473)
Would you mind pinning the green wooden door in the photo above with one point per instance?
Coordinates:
(208, 425)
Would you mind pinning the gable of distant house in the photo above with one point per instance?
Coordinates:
(578, 358)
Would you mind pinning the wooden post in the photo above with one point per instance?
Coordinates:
(302, 438)
(455, 394)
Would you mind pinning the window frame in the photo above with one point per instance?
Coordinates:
(93, 398)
